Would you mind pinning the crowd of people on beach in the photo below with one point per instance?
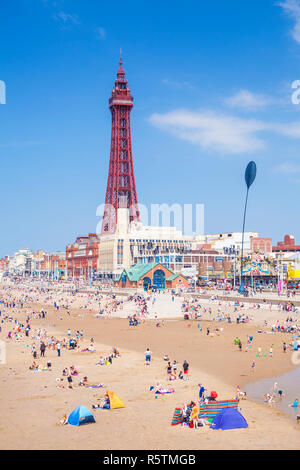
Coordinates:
(31, 302)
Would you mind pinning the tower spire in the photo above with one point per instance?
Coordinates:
(121, 190)
(121, 71)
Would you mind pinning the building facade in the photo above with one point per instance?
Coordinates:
(288, 245)
(261, 245)
(149, 276)
(82, 257)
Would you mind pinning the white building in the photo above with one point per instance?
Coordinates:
(223, 242)
(17, 263)
(136, 243)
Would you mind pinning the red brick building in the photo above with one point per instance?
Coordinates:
(4, 262)
(261, 245)
(82, 256)
(287, 245)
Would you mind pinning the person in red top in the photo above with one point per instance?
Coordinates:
(185, 366)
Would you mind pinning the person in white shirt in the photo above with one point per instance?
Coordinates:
(148, 357)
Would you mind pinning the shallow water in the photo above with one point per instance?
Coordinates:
(289, 383)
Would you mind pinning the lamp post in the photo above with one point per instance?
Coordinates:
(250, 175)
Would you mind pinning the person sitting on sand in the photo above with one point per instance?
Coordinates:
(73, 371)
(159, 388)
(83, 382)
(102, 361)
(33, 366)
(63, 420)
(116, 352)
(242, 395)
(105, 404)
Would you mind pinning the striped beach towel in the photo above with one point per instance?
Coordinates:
(210, 410)
(177, 417)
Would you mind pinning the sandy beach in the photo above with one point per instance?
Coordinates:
(32, 403)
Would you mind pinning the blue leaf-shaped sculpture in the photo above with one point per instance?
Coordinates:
(250, 174)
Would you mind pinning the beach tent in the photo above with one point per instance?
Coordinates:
(229, 418)
(80, 415)
(115, 401)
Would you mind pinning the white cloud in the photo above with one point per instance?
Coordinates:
(66, 19)
(246, 99)
(208, 129)
(292, 8)
(223, 133)
(289, 168)
(100, 33)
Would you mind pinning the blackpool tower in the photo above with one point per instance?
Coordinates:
(120, 191)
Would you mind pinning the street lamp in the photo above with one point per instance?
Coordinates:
(250, 175)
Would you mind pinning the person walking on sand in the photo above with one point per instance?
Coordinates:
(185, 366)
(42, 349)
(148, 357)
(201, 392)
(169, 371)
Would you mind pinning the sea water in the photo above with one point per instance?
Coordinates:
(289, 383)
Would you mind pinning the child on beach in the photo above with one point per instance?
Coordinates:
(295, 404)
(194, 416)
(148, 357)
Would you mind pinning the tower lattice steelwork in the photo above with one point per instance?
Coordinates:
(121, 190)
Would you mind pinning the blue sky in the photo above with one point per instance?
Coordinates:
(212, 88)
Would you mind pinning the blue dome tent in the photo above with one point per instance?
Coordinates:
(80, 415)
(229, 418)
